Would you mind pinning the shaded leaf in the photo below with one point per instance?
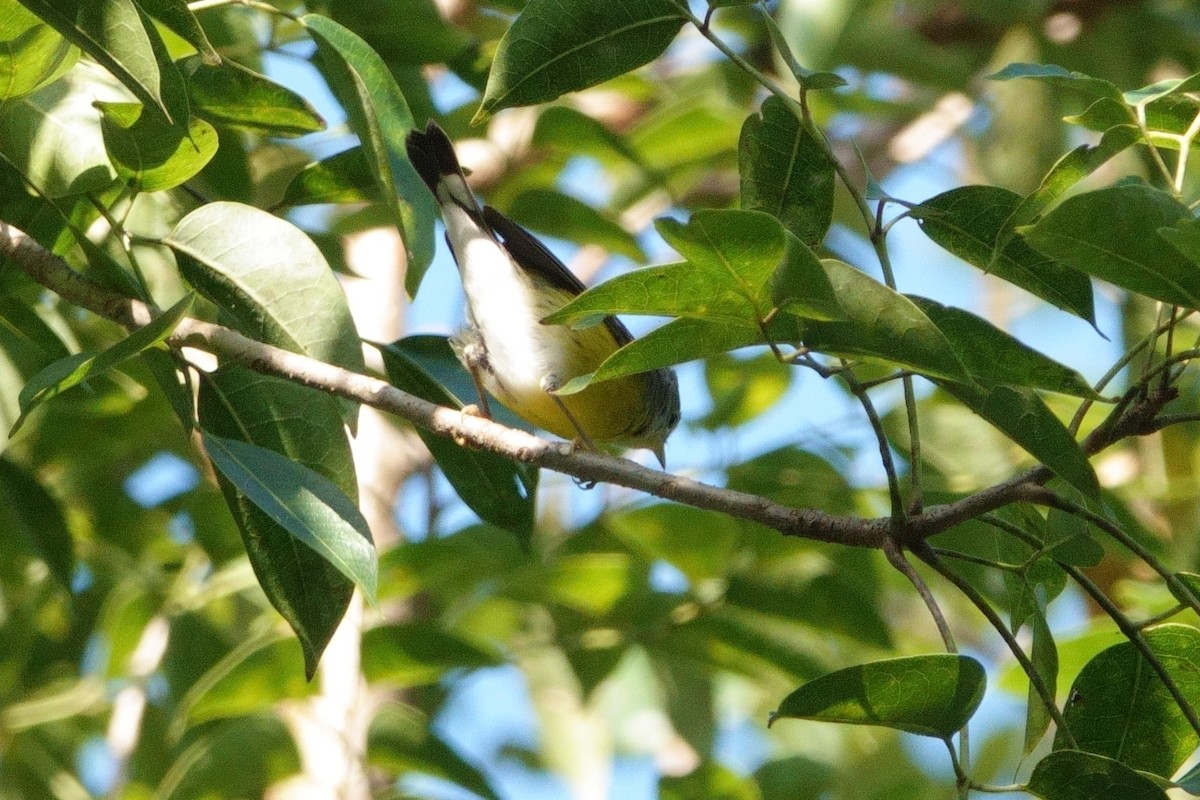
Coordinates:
(1024, 417)
(31, 514)
(927, 695)
(176, 15)
(402, 742)
(252, 677)
(1121, 709)
(786, 172)
(554, 47)
(499, 490)
(1074, 775)
(305, 425)
(1058, 76)
(341, 178)
(1112, 233)
(151, 154)
(308, 505)
(1044, 656)
(75, 369)
(230, 94)
(992, 356)
(416, 653)
(565, 217)
(971, 221)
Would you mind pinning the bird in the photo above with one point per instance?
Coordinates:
(512, 281)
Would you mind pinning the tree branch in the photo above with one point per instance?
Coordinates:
(53, 273)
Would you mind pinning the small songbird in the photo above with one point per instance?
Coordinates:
(512, 282)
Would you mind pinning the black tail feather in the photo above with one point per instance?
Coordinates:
(432, 154)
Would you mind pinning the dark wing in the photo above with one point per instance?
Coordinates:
(531, 254)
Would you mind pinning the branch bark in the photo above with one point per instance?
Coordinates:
(55, 274)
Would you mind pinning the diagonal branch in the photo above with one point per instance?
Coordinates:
(53, 273)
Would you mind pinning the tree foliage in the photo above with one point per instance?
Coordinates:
(172, 527)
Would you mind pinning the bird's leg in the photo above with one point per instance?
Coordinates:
(472, 353)
(550, 385)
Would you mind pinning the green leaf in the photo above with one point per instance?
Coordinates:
(417, 653)
(559, 46)
(801, 285)
(111, 32)
(32, 54)
(1044, 656)
(75, 369)
(1024, 417)
(32, 515)
(589, 583)
(1121, 709)
(1112, 233)
(926, 695)
(1161, 89)
(1074, 775)
(669, 532)
(881, 323)
(565, 217)
(992, 356)
(499, 490)
(270, 280)
(1068, 171)
(971, 221)
(793, 477)
(786, 172)
(378, 113)
(1058, 76)
(151, 154)
(230, 94)
(305, 425)
(53, 135)
(743, 389)
(807, 78)
(1184, 236)
(674, 343)
(403, 32)
(308, 505)
(253, 676)
(401, 742)
(1190, 781)
(341, 178)
(176, 15)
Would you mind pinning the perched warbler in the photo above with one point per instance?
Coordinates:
(512, 282)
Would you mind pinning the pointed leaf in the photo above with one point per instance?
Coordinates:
(271, 280)
(341, 178)
(32, 54)
(379, 115)
(499, 490)
(230, 94)
(1044, 656)
(112, 32)
(1058, 76)
(786, 172)
(926, 695)
(1075, 775)
(1113, 234)
(970, 222)
(176, 15)
(151, 154)
(992, 356)
(418, 653)
(882, 324)
(564, 217)
(309, 506)
(1023, 417)
(559, 46)
(305, 425)
(77, 368)
(1161, 89)
(1121, 709)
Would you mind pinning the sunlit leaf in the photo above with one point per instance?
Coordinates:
(927, 695)
(555, 47)
(1058, 76)
(230, 94)
(342, 178)
(378, 113)
(416, 653)
(32, 54)
(151, 154)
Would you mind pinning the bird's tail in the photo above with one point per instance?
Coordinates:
(432, 154)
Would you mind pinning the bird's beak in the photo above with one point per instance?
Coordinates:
(660, 454)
